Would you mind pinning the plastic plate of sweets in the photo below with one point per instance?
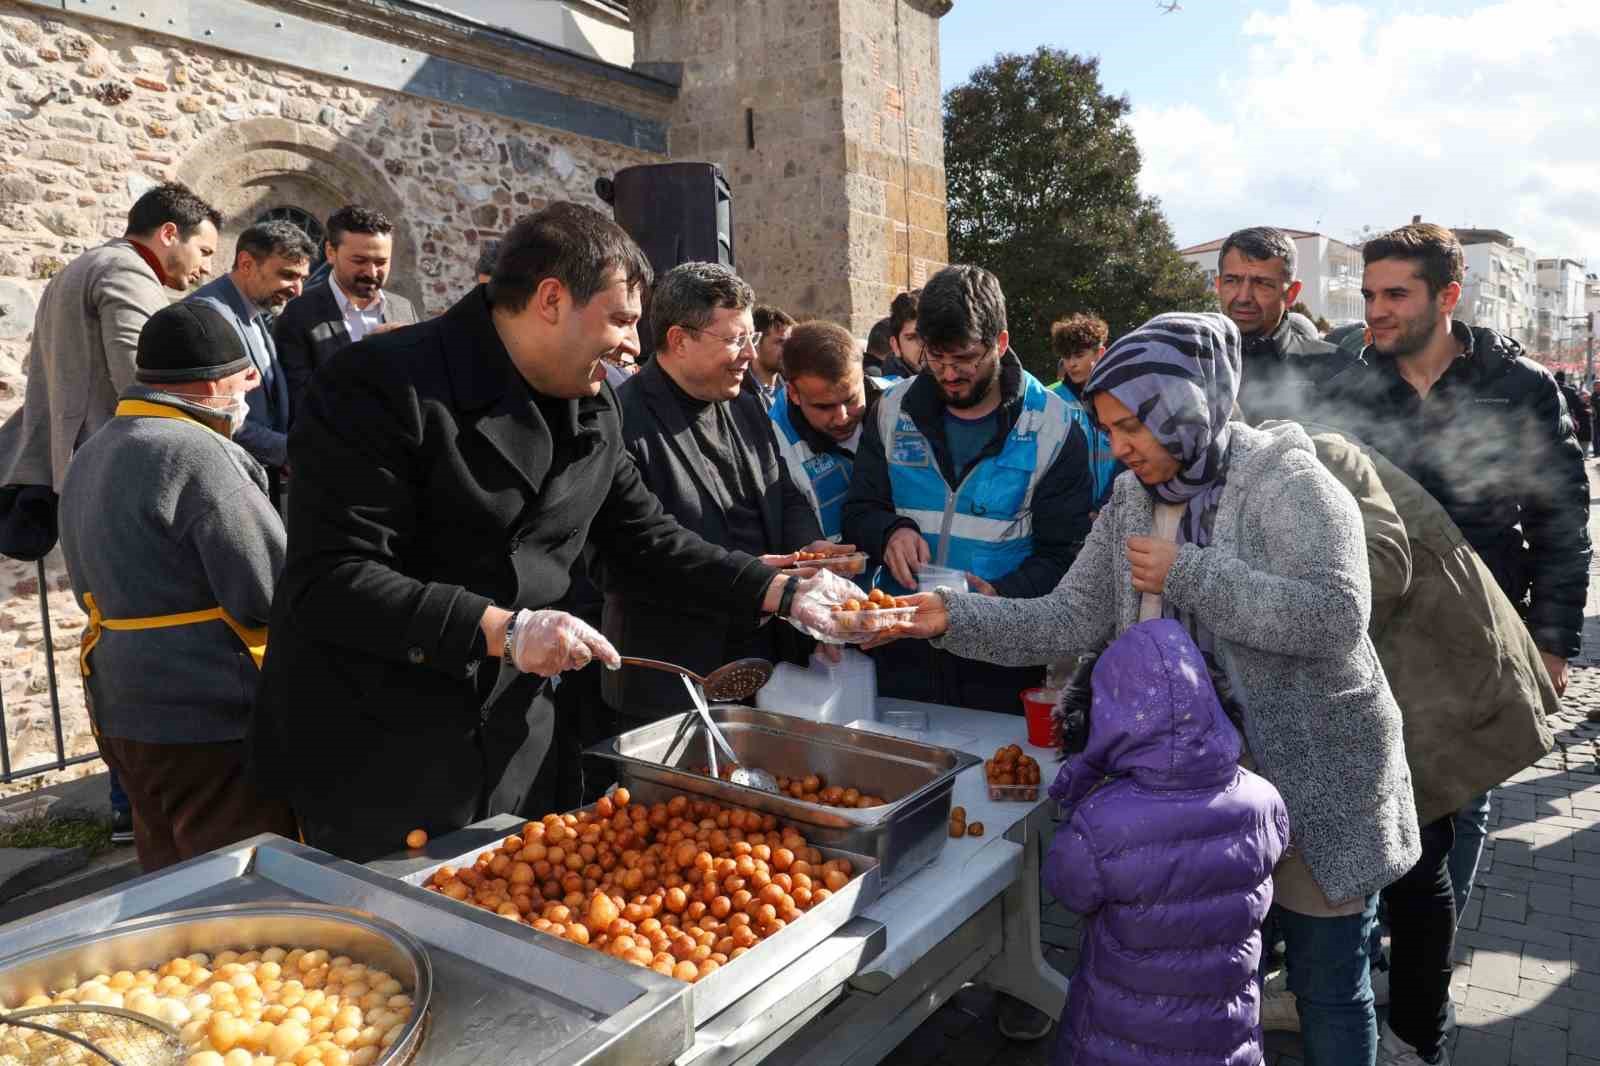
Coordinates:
(846, 563)
(873, 613)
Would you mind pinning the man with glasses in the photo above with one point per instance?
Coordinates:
(975, 466)
(700, 436)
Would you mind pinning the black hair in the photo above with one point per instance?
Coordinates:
(1260, 242)
(172, 202)
(575, 245)
(278, 237)
(353, 219)
(960, 305)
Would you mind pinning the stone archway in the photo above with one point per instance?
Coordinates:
(251, 167)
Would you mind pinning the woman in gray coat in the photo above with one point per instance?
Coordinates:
(1241, 535)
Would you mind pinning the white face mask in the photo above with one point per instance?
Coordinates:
(235, 412)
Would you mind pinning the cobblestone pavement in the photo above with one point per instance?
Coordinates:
(1527, 974)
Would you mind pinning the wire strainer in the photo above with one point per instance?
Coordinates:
(87, 1033)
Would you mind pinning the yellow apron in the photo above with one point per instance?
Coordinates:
(254, 640)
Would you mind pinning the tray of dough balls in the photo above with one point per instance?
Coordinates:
(716, 897)
(853, 790)
(271, 952)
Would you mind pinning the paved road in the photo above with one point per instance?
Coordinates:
(1527, 975)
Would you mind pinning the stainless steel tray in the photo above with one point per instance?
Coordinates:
(501, 993)
(904, 834)
(149, 942)
(734, 981)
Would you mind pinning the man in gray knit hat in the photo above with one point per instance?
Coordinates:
(173, 549)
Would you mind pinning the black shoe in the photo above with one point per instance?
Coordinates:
(122, 827)
(1020, 1021)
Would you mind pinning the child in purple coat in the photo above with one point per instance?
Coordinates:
(1168, 852)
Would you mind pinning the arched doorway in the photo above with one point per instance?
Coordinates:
(308, 223)
(252, 168)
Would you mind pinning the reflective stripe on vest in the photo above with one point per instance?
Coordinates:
(823, 477)
(253, 639)
(985, 524)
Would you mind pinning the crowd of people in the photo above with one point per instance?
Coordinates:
(1314, 602)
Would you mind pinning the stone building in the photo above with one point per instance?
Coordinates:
(456, 117)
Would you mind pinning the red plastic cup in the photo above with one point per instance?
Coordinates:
(1037, 703)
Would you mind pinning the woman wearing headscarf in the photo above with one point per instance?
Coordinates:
(1244, 538)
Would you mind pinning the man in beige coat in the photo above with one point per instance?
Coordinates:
(86, 332)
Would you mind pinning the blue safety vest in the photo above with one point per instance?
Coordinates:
(823, 476)
(985, 524)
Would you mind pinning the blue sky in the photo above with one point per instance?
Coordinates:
(1333, 116)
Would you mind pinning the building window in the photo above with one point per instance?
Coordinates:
(307, 222)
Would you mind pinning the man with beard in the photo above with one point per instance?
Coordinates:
(348, 304)
(270, 263)
(1079, 341)
(773, 326)
(1283, 366)
(972, 465)
(86, 331)
(818, 417)
(703, 444)
(1483, 430)
(905, 343)
(975, 466)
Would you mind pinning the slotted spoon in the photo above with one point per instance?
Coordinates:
(738, 680)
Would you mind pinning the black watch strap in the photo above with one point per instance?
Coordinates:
(786, 598)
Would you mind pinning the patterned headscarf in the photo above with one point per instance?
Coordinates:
(1179, 374)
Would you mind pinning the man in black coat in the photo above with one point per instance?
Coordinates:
(1283, 366)
(1577, 409)
(345, 305)
(446, 478)
(699, 433)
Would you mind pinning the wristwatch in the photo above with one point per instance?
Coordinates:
(786, 597)
(507, 656)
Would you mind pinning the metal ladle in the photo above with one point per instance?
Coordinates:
(737, 680)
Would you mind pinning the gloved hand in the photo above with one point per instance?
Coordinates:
(549, 642)
(814, 601)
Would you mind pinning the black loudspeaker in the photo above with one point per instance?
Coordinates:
(677, 212)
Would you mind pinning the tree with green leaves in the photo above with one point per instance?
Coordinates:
(1042, 172)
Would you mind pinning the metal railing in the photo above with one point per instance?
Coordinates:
(7, 773)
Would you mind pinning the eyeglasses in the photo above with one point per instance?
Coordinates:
(735, 343)
(953, 361)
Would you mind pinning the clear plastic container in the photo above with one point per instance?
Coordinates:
(865, 623)
(916, 721)
(1014, 793)
(849, 565)
(932, 577)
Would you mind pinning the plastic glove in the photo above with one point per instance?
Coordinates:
(548, 642)
(814, 601)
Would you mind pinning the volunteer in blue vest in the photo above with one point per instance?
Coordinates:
(1079, 341)
(972, 465)
(173, 550)
(819, 415)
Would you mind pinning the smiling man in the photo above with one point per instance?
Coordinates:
(1283, 368)
(1483, 429)
(446, 478)
(699, 434)
(270, 264)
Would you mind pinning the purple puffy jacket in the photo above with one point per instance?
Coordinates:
(1171, 861)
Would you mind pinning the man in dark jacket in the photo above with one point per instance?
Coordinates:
(446, 478)
(1283, 366)
(905, 343)
(348, 304)
(1484, 431)
(700, 437)
(973, 465)
(1577, 409)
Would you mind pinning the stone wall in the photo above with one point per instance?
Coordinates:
(91, 114)
(825, 116)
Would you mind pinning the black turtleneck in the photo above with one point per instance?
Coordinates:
(728, 469)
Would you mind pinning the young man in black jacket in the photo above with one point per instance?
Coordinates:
(1485, 432)
(1283, 367)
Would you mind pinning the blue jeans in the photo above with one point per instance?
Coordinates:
(1472, 827)
(1328, 973)
(119, 798)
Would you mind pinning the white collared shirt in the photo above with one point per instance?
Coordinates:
(359, 321)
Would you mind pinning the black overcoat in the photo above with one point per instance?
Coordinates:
(428, 486)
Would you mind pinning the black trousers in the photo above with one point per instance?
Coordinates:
(1422, 930)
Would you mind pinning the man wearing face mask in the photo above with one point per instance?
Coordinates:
(172, 548)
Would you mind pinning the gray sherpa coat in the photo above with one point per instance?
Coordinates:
(1284, 588)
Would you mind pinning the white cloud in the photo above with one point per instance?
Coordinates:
(1333, 116)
